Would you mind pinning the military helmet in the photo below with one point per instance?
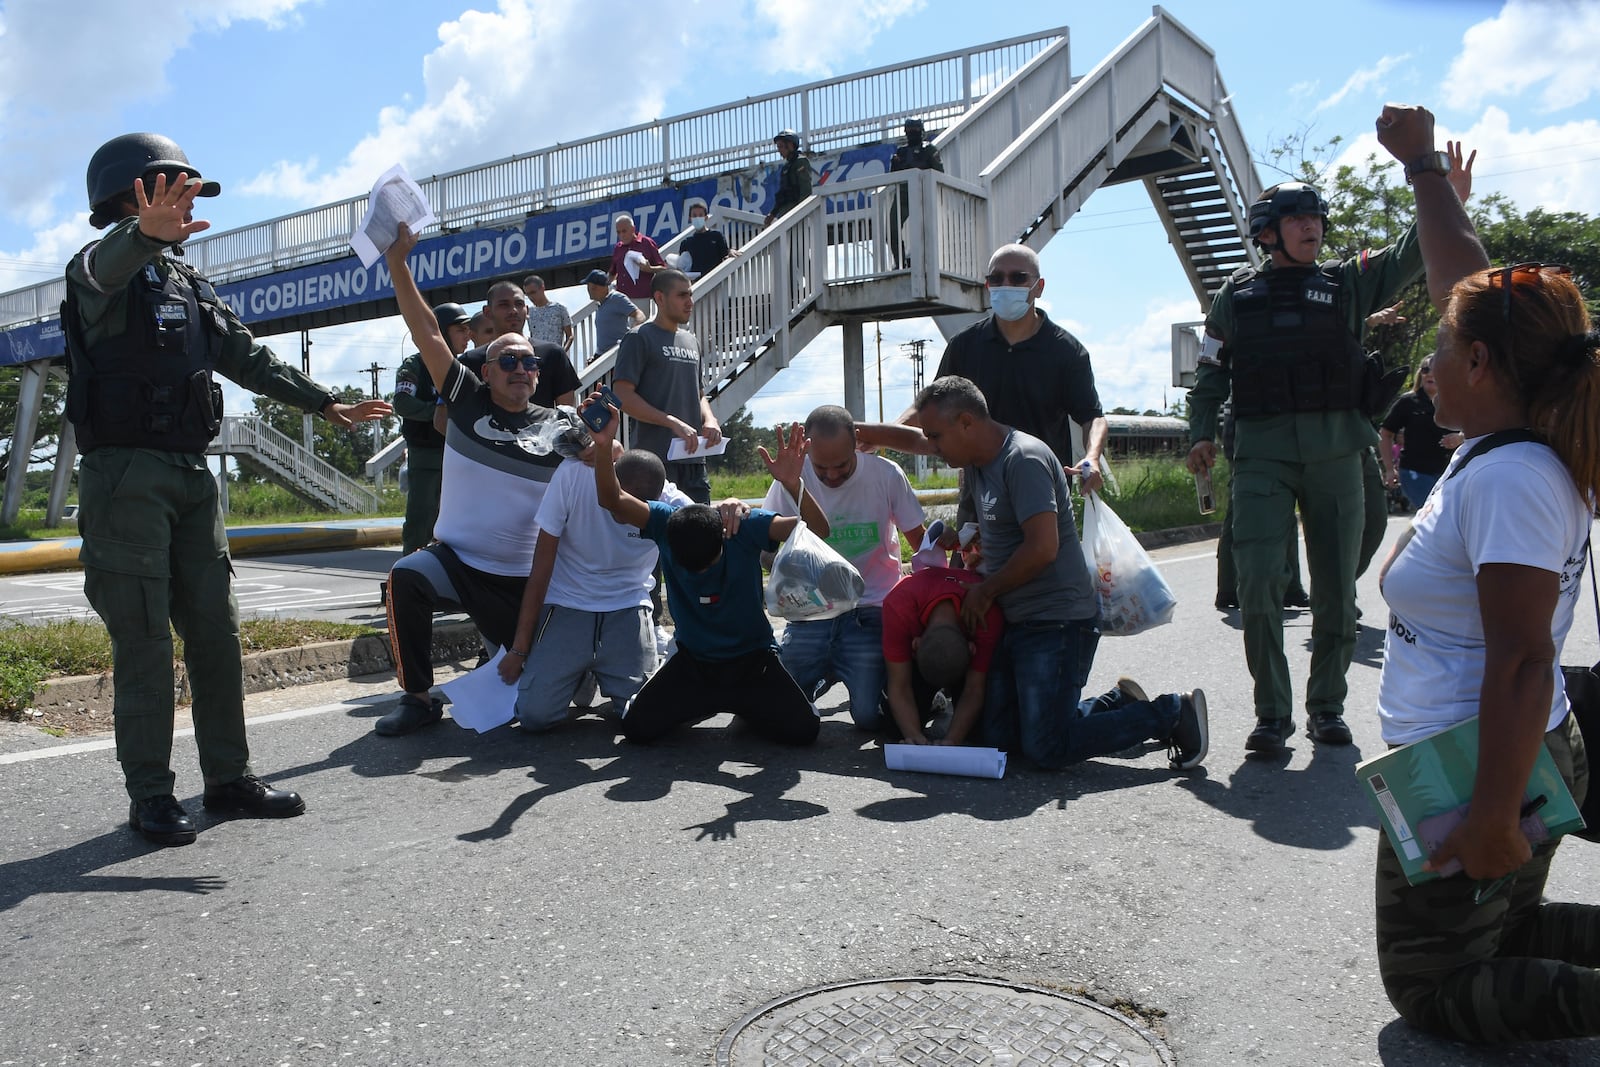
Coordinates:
(789, 135)
(1283, 200)
(448, 315)
(115, 165)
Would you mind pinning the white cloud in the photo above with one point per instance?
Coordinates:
(1529, 44)
(1552, 167)
(60, 65)
(1133, 362)
(813, 35)
(1368, 78)
(47, 257)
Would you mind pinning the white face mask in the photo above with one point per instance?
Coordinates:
(698, 222)
(1010, 302)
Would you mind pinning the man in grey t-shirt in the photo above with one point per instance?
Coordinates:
(613, 316)
(1034, 569)
(658, 381)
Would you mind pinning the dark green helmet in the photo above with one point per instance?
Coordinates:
(115, 165)
(1280, 202)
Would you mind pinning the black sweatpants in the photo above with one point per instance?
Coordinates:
(754, 687)
(433, 579)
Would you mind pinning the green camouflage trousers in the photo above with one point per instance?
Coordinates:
(1510, 969)
(154, 550)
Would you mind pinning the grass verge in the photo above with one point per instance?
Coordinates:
(30, 655)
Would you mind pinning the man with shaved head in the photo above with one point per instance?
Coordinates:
(500, 451)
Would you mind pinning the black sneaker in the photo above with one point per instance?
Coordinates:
(1329, 728)
(161, 820)
(412, 713)
(1269, 734)
(1191, 736)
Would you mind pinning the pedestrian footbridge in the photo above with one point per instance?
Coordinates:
(1025, 142)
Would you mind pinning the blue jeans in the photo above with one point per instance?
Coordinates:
(1416, 486)
(1033, 703)
(846, 649)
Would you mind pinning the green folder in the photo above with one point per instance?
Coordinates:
(1421, 791)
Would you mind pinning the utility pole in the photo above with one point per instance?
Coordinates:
(920, 461)
(878, 326)
(377, 424)
(307, 433)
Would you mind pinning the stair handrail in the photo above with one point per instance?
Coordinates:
(253, 436)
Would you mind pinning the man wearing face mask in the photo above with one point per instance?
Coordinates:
(1034, 375)
(706, 247)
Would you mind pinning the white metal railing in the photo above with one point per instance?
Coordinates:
(299, 468)
(1082, 130)
(830, 114)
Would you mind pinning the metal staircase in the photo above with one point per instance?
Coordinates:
(258, 447)
(1155, 110)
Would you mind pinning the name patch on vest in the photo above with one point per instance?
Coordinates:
(1318, 296)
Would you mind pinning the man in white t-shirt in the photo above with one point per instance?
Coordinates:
(587, 603)
(869, 505)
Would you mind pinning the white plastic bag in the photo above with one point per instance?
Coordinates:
(810, 580)
(1133, 595)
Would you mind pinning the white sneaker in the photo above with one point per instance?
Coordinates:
(943, 712)
(666, 644)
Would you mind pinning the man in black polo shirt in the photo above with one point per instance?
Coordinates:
(1034, 375)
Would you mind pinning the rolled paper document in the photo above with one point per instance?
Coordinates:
(946, 759)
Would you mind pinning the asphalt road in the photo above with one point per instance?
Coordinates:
(563, 899)
(340, 585)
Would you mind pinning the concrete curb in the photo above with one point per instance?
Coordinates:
(24, 557)
(323, 661)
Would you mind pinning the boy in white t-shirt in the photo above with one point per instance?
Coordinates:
(869, 505)
(586, 607)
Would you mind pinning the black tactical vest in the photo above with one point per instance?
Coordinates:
(150, 384)
(1291, 349)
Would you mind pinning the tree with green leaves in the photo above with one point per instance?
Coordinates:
(49, 431)
(347, 450)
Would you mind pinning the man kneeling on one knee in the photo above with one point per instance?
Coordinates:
(1033, 568)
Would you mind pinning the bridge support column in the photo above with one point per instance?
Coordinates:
(61, 477)
(29, 401)
(855, 369)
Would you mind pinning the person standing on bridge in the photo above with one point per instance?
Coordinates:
(146, 336)
(915, 154)
(1286, 339)
(548, 320)
(794, 177)
(614, 314)
(416, 401)
(634, 260)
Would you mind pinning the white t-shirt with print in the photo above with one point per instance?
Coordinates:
(1514, 504)
(601, 564)
(865, 516)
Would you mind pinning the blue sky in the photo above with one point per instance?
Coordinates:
(291, 103)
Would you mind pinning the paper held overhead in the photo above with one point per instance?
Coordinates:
(394, 199)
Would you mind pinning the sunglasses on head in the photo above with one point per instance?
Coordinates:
(1013, 277)
(509, 363)
(1510, 277)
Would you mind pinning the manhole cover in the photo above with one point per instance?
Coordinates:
(937, 1022)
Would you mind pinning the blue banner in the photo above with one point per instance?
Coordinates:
(547, 240)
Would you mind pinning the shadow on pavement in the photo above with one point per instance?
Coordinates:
(1314, 808)
(1402, 1045)
(70, 870)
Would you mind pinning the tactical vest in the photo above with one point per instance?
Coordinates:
(1291, 349)
(150, 384)
(422, 434)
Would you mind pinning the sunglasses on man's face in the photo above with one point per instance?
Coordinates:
(509, 363)
(1003, 277)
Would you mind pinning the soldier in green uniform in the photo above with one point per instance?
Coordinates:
(416, 401)
(1286, 338)
(794, 177)
(145, 335)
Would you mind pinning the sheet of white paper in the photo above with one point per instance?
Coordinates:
(479, 700)
(633, 261)
(394, 199)
(946, 759)
(930, 554)
(676, 452)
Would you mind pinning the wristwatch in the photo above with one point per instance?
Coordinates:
(1437, 162)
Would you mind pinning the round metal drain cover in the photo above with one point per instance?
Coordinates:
(937, 1022)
